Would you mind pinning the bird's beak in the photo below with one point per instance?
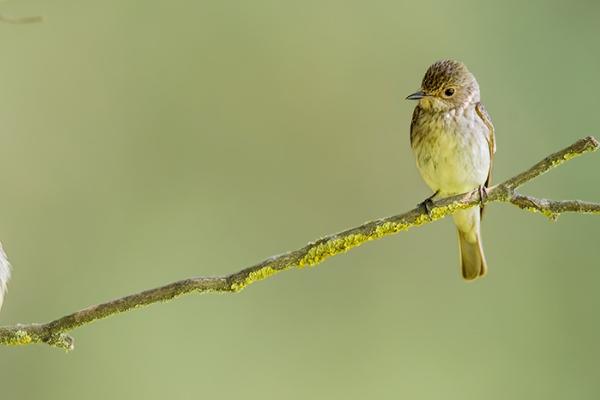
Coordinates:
(416, 96)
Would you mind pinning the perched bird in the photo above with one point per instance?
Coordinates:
(4, 274)
(452, 137)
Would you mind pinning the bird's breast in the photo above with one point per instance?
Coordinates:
(451, 150)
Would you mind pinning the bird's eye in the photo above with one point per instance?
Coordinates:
(449, 92)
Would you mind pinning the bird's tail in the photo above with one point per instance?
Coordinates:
(472, 258)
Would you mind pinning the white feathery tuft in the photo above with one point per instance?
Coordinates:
(4, 274)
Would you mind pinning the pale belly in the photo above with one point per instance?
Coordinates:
(452, 152)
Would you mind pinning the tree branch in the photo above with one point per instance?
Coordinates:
(54, 332)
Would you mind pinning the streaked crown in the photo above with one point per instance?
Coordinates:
(451, 82)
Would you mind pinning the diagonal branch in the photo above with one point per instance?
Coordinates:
(54, 332)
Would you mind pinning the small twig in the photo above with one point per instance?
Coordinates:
(54, 332)
(21, 20)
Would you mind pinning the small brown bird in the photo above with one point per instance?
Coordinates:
(452, 137)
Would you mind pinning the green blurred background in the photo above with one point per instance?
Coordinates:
(145, 142)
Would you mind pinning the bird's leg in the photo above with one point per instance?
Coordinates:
(483, 194)
(427, 204)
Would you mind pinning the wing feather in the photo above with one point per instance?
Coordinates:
(490, 137)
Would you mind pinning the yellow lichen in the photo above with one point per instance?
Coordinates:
(332, 247)
(566, 157)
(254, 276)
(336, 245)
(20, 338)
(441, 212)
(389, 228)
(545, 212)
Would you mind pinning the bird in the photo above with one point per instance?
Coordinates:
(453, 141)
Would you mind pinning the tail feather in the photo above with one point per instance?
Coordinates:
(472, 259)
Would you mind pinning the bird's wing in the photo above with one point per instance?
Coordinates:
(413, 122)
(490, 137)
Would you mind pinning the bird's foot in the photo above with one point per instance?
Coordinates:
(483, 194)
(427, 204)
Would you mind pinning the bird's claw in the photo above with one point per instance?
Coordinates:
(427, 204)
(483, 194)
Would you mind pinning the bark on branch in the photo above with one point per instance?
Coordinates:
(55, 334)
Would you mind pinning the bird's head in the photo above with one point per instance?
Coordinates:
(447, 85)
